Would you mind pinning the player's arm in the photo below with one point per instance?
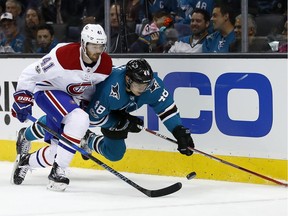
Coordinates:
(23, 96)
(166, 109)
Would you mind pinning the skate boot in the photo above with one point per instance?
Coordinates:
(57, 178)
(22, 145)
(84, 144)
(20, 169)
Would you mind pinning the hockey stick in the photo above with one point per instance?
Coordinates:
(218, 159)
(150, 193)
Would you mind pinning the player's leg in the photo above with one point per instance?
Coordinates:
(41, 158)
(112, 149)
(26, 135)
(65, 117)
(23, 160)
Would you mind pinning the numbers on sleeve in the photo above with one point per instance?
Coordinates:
(164, 95)
(100, 109)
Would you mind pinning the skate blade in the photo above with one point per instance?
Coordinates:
(14, 168)
(56, 186)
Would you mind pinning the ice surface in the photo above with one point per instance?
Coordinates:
(93, 192)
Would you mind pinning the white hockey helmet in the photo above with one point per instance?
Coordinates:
(93, 33)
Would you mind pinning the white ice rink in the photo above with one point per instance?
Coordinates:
(100, 193)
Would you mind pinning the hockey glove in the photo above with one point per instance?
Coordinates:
(22, 107)
(128, 122)
(184, 140)
(135, 125)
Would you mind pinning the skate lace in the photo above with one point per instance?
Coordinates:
(24, 169)
(25, 145)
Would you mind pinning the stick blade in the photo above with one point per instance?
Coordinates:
(164, 191)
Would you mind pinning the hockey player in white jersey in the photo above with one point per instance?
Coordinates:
(58, 82)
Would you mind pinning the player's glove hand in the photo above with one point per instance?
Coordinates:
(184, 140)
(128, 122)
(135, 125)
(22, 107)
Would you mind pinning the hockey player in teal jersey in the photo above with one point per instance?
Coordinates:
(126, 89)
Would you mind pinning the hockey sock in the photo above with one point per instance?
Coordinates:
(65, 152)
(94, 141)
(35, 132)
(44, 157)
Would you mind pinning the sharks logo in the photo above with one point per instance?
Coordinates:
(115, 91)
(154, 86)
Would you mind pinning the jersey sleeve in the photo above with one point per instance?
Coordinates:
(29, 76)
(164, 106)
(42, 70)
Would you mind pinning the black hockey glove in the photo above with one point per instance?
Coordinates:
(184, 140)
(127, 122)
(135, 125)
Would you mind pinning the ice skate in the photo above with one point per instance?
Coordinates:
(57, 179)
(22, 145)
(20, 169)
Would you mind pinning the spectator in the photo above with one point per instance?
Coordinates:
(15, 8)
(153, 37)
(200, 20)
(219, 41)
(45, 38)
(13, 40)
(33, 18)
(254, 44)
(121, 36)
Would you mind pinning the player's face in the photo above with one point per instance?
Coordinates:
(138, 88)
(93, 51)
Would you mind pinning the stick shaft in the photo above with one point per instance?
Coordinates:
(219, 159)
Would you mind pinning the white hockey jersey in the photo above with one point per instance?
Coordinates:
(63, 69)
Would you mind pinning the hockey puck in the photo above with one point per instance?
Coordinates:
(191, 175)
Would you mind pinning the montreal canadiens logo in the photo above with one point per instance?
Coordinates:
(77, 88)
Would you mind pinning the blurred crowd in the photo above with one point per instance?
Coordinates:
(145, 26)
